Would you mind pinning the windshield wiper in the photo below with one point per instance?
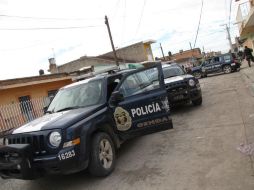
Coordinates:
(69, 108)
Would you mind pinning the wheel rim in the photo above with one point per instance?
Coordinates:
(227, 69)
(106, 153)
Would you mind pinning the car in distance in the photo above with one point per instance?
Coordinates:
(226, 63)
(85, 123)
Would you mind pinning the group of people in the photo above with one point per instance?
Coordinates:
(247, 54)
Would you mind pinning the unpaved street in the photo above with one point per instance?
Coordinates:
(200, 153)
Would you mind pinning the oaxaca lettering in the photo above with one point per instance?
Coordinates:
(154, 122)
(144, 110)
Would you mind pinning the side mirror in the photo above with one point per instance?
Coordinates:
(116, 97)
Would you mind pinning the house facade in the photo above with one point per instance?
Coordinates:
(23, 99)
(186, 57)
(245, 22)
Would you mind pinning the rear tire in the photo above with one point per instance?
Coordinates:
(102, 157)
(197, 102)
(227, 69)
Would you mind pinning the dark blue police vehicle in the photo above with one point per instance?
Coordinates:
(226, 63)
(181, 87)
(85, 123)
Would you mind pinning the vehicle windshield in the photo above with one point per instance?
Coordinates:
(82, 95)
(172, 71)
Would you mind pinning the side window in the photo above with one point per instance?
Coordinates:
(216, 59)
(140, 82)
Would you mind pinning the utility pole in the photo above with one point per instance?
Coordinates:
(162, 52)
(111, 40)
(229, 37)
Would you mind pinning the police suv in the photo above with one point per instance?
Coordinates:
(85, 123)
(226, 63)
(181, 87)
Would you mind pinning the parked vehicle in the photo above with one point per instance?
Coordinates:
(226, 63)
(85, 123)
(181, 87)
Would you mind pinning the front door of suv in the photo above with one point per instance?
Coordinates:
(144, 106)
(216, 64)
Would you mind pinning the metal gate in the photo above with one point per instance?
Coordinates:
(17, 114)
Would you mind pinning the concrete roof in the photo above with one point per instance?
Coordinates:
(26, 81)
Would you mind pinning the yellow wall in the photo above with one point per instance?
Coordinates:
(9, 96)
(11, 115)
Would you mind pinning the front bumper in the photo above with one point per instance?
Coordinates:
(17, 161)
(235, 66)
(184, 96)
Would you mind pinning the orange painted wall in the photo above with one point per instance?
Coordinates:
(9, 96)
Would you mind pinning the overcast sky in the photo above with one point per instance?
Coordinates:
(172, 23)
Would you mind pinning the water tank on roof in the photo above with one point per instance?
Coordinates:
(52, 60)
(41, 72)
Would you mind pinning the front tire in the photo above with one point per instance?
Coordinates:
(197, 102)
(102, 158)
(227, 69)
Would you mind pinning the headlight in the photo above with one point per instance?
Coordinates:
(55, 139)
(192, 82)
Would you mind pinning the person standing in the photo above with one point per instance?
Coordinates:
(248, 55)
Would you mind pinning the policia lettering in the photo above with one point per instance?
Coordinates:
(152, 108)
(122, 119)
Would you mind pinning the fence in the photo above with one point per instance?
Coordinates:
(17, 114)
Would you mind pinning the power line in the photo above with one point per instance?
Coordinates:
(199, 23)
(142, 11)
(53, 28)
(48, 18)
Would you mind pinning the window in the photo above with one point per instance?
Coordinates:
(26, 107)
(227, 58)
(140, 82)
(216, 59)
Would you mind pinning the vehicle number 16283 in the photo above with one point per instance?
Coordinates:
(66, 155)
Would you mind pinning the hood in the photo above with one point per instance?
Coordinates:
(58, 120)
(177, 78)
